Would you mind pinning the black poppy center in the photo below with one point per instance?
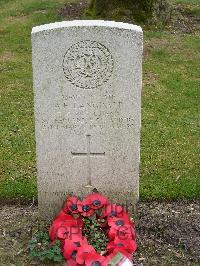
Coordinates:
(74, 254)
(119, 223)
(96, 203)
(86, 208)
(73, 207)
(96, 263)
(113, 213)
(120, 245)
(77, 244)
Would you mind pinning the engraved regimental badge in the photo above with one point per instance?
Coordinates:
(88, 64)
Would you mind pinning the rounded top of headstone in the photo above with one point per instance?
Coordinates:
(86, 23)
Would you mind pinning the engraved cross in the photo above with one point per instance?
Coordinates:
(88, 154)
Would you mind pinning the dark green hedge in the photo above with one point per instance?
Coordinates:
(141, 9)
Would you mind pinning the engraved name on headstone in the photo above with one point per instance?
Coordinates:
(87, 86)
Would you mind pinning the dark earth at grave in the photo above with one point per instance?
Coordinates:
(167, 233)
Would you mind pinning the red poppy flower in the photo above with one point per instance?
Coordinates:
(70, 252)
(65, 209)
(62, 233)
(128, 245)
(63, 216)
(71, 262)
(83, 252)
(54, 228)
(69, 232)
(112, 210)
(61, 219)
(107, 259)
(85, 208)
(97, 200)
(122, 232)
(72, 204)
(94, 259)
(116, 222)
(69, 227)
(71, 247)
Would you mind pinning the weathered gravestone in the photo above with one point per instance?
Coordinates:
(87, 84)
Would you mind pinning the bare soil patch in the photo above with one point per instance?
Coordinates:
(167, 234)
(181, 18)
(72, 11)
(185, 21)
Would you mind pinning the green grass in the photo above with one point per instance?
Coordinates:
(170, 119)
(169, 165)
(17, 153)
(187, 2)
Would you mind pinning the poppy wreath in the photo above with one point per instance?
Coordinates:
(114, 221)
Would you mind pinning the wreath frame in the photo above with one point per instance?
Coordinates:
(68, 225)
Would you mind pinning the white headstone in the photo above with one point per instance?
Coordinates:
(87, 85)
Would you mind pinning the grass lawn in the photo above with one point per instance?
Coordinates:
(169, 165)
